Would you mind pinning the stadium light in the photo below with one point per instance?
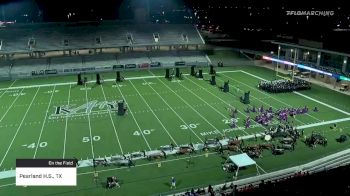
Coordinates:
(307, 68)
(344, 78)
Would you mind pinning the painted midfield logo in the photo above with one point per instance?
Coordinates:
(92, 107)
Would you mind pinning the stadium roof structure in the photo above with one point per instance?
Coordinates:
(309, 48)
(41, 37)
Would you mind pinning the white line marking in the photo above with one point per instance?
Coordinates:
(317, 101)
(190, 106)
(176, 114)
(19, 127)
(8, 109)
(110, 116)
(327, 105)
(137, 124)
(8, 88)
(208, 104)
(4, 185)
(66, 125)
(323, 123)
(160, 122)
(70, 83)
(43, 125)
(200, 36)
(206, 56)
(228, 105)
(106, 80)
(89, 121)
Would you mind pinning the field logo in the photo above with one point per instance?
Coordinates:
(92, 107)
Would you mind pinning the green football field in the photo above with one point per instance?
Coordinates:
(55, 118)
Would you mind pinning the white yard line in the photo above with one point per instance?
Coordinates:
(43, 125)
(255, 97)
(5, 185)
(110, 116)
(160, 122)
(8, 109)
(323, 123)
(8, 88)
(208, 59)
(176, 113)
(66, 125)
(227, 104)
(132, 115)
(317, 101)
(106, 80)
(224, 116)
(336, 104)
(216, 129)
(19, 127)
(327, 105)
(89, 121)
(70, 83)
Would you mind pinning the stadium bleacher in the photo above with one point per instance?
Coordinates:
(112, 34)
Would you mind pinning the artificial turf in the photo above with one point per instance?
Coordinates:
(160, 112)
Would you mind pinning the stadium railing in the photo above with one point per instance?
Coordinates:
(329, 162)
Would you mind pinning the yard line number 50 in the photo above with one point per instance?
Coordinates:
(95, 138)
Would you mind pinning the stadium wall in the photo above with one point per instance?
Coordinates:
(45, 67)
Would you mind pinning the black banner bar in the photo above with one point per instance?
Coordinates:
(46, 162)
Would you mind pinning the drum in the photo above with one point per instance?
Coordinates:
(267, 137)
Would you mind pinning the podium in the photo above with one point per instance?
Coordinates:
(200, 73)
(192, 71)
(245, 99)
(121, 108)
(167, 73)
(212, 81)
(226, 87)
(80, 81)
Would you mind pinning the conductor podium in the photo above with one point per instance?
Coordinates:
(193, 73)
(200, 74)
(245, 98)
(177, 72)
(80, 81)
(121, 108)
(212, 81)
(212, 70)
(98, 79)
(167, 73)
(119, 77)
(226, 87)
